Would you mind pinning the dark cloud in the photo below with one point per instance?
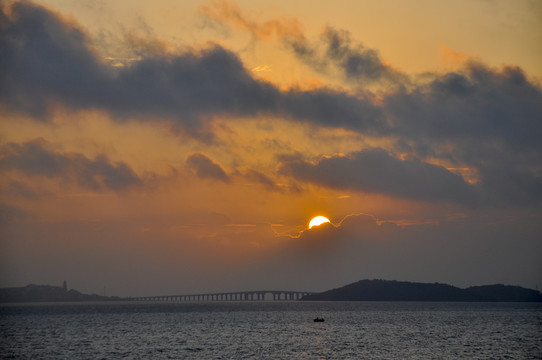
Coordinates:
(334, 109)
(376, 171)
(262, 179)
(361, 62)
(20, 189)
(33, 158)
(47, 61)
(483, 118)
(473, 104)
(9, 213)
(348, 233)
(356, 63)
(205, 167)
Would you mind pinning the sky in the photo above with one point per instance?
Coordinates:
(166, 147)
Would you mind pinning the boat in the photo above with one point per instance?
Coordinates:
(319, 319)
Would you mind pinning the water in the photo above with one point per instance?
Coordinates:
(271, 330)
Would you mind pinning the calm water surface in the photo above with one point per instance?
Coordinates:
(271, 330)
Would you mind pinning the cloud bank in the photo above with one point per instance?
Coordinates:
(47, 61)
(33, 158)
(378, 172)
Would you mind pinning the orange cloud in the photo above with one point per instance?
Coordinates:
(452, 60)
(230, 13)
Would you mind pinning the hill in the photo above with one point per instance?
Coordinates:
(46, 293)
(383, 290)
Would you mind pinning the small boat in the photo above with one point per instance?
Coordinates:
(319, 319)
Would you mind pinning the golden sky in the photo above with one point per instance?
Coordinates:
(174, 147)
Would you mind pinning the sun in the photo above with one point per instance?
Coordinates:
(318, 220)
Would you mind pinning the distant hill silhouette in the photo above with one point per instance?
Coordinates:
(384, 290)
(47, 293)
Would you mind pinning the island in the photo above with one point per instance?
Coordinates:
(48, 293)
(386, 290)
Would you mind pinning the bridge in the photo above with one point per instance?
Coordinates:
(228, 296)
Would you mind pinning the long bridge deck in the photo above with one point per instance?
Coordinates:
(258, 295)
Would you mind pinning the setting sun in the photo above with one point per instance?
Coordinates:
(318, 220)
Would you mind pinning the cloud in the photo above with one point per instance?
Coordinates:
(261, 179)
(205, 167)
(47, 61)
(375, 171)
(20, 189)
(477, 117)
(229, 12)
(33, 158)
(475, 102)
(482, 118)
(355, 62)
(335, 48)
(351, 226)
(45, 58)
(358, 62)
(9, 213)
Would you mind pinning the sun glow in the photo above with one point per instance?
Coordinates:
(318, 220)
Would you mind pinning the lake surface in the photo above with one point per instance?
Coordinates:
(271, 330)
